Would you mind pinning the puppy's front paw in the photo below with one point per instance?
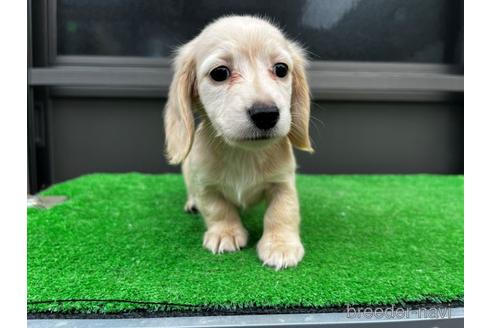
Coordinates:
(280, 251)
(223, 238)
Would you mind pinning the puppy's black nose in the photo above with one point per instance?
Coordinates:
(264, 116)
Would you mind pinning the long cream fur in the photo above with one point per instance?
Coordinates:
(222, 172)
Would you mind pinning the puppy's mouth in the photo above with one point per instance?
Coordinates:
(257, 138)
(253, 142)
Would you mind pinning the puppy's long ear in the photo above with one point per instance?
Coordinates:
(300, 102)
(179, 123)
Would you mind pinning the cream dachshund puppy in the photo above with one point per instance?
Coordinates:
(247, 83)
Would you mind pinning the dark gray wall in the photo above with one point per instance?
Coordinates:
(385, 138)
(121, 135)
(107, 135)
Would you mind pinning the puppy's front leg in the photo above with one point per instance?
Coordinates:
(280, 246)
(225, 232)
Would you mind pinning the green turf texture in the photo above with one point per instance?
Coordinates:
(368, 240)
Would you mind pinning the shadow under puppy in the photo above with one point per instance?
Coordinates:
(247, 83)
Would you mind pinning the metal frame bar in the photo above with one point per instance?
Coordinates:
(454, 319)
(110, 61)
(39, 106)
(328, 80)
(31, 161)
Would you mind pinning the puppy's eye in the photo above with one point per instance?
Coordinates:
(280, 69)
(220, 73)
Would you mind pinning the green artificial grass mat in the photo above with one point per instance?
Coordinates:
(123, 243)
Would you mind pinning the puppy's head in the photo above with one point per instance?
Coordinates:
(250, 81)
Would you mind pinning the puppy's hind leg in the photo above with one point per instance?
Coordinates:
(190, 205)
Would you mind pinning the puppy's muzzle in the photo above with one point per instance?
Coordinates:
(264, 117)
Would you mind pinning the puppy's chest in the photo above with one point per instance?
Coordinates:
(243, 184)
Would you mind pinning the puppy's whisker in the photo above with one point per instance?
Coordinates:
(313, 122)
